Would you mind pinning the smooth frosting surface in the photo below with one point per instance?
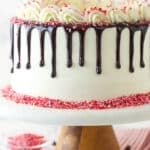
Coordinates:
(89, 11)
(81, 83)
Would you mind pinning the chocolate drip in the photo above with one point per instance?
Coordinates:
(131, 50)
(29, 31)
(143, 34)
(132, 30)
(19, 46)
(52, 32)
(98, 50)
(42, 41)
(118, 41)
(12, 46)
(82, 40)
(69, 32)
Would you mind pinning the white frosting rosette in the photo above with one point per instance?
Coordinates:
(118, 16)
(70, 14)
(145, 11)
(133, 11)
(96, 15)
(49, 13)
(71, 11)
(130, 11)
(29, 11)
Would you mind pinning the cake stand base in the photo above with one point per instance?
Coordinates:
(87, 138)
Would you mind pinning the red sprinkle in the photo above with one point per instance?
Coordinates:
(25, 142)
(119, 102)
(16, 20)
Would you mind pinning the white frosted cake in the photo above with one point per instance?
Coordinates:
(80, 55)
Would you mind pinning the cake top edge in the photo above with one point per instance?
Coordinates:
(85, 11)
(19, 22)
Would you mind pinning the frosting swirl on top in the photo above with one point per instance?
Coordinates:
(89, 11)
(70, 14)
(133, 11)
(49, 13)
(118, 16)
(29, 10)
(145, 11)
(96, 15)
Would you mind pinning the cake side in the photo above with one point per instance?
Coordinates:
(81, 60)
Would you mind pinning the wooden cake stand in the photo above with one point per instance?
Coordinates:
(87, 138)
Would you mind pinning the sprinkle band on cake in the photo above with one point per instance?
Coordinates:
(115, 103)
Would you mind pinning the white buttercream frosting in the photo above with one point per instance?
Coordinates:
(118, 16)
(145, 12)
(49, 13)
(94, 15)
(133, 11)
(29, 11)
(82, 83)
(70, 14)
(72, 11)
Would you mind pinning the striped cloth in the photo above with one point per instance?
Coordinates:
(133, 139)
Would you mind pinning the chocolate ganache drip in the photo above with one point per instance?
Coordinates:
(82, 50)
(118, 41)
(19, 46)
(52, 30)
(99, 32)
(29, 32)
(143, 34)
(131, 49)
(69, 32)
(42, 41)
(12, 46)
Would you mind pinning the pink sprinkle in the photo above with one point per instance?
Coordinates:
(119, 102)
(16, 20)
(25, 142)
(97, 9)
(124, 9)
(65, 5)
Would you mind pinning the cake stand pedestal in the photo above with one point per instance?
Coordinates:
(87, 138)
